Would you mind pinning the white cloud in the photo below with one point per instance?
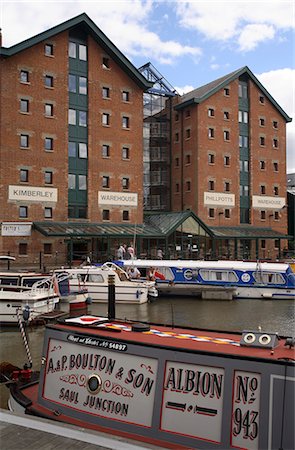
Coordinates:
(125, 23)
(253, 34)
(184, 89)
(281, 85)
(230, 20)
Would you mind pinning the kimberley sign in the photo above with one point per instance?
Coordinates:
(32, 193)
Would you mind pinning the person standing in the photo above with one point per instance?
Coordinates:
(160, 253)
(121, 252)
(131, 252)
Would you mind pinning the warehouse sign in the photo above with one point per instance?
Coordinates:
(219, 199)
(16, 228)
(32, 194)
(263, 202)
(117, 198)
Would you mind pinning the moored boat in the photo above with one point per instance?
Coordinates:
(95, 278)
(242, 279)
(175, 387)
(25, 296)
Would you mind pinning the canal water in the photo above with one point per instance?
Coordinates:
(232, 315)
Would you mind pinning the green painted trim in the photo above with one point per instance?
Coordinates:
(90, 27)
(225, 81)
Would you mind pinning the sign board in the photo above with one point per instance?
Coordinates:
(127, 382)
(16, 228)
(264, 202)
(32, 193)
(246, 410)
(117, 198)
(219, 199)
(192, 400)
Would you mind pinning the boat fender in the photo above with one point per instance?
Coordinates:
(138, 293)
(26, 313)
(88, 301)
(140, 327)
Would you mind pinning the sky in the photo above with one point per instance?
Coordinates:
(189, 42)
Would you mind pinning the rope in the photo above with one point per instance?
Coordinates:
(24, 337)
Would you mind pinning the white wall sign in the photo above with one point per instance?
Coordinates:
(263, 202)
(192, 400)
(16, 229)
(127, 381)
(32, 194)
(219, 199)
(246, 410)
(117, 198)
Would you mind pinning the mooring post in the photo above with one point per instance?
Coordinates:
(111, 297)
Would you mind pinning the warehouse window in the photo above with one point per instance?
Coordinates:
(48, 177)
(105, 119)
(105, 214)
(105, 182)
(23, 212)
(24, 175)
(48, 81)
(125, 153)
(125, 183)
(48, 49)
(24, 105)
(48, 213)
(24, 140)
(48, 110)
(105, 151)
(24, 76)
(48, 143)
(125, 215)
(125, 96)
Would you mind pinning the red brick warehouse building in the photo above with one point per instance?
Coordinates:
(71, 132)
(229, 164)
(71, 154)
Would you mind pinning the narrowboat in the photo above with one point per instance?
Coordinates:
(174, 387)
(209, 279)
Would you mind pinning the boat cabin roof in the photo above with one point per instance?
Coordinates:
(200, 264)
(182, 339)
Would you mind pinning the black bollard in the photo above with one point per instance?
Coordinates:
(111, 297)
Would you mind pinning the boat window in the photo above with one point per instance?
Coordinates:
(9, 281)
(167, 272)
(268, 278)
(95, 278)
(30, 281)
(218, 275)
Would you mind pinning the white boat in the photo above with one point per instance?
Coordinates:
(25, 296)
(96, 280)
(213, 279)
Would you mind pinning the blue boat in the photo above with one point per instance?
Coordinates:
(218, 279)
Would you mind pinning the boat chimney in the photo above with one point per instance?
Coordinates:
(111, 297)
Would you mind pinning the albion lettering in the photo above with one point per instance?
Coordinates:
(196, 382)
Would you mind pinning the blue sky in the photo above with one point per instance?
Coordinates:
(189, 42)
